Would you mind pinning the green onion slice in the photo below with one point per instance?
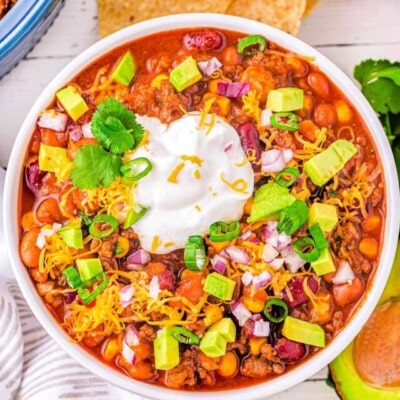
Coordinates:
(287, 121)
(87, 296)
(137, 169)
(72, 277)
(134, 215)
(293, 217)
(276, 310)
(195, 253)
(287, 177)
(306, 248)
(222, 232)
(102, 226)
(251, 44)
(318, 236)
(185, 336)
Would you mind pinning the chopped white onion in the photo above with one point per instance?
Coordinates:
(238, 255)
(287, 155)
(241, 313)
(125, 295)
(283, 241)
(292, 260)
(265, 119)
(44, 232)
(261, 280)
(154, 287)
(87, 130)
(219, 263)
(210, 66)
(131, 337)
(261, 328)
(276, 263)
(344, 274)
(245, 235)
(270, 233)
(52, 119)
(247, 278)
(128, 353)
(40, 241)
(274, 160)
(269, 253)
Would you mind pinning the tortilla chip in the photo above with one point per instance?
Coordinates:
(310, 5)
(282, 14)
(117, 14)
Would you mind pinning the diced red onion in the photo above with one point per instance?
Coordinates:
(233, 89)
(241, 313)
(276, 263)
(228, 148)
(265, 119)
(292, 260)
(287, 155)
(283, 241)
(272, 161)
(247, 278)
(219, 263)
(269, 253)
(52, 119)
(245, 235)
(134, 267)
(210, 66)
(238, 255)
(128, 353)
(87, 130)
(261, 328)
(261, 280)
(270, 233)
(34, 176)
(344, 273)
(253, 239)
(74, 131)
(131, 337)
(154, 287)
(139, 257)
(125, 295)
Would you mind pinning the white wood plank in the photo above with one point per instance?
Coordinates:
(309, 390)
(344, 22)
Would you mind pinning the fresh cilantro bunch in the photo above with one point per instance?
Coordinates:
(116, 130)
(380, 84)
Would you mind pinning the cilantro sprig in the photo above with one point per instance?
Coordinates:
(116, 130)
(380, 84)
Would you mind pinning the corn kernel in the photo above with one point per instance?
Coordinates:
(156, 82)
(343, 111)
(255, 345)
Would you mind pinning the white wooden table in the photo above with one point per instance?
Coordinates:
(347, 31)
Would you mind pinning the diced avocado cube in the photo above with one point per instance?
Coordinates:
(125, 70)
(329, 162)
(226, 328)
(213, 344)
(324, 214)
(269, 199)
(285, 99)
(72, 102)
(72, 236)
(219, 286)
(89, 267)
(185, 74)
(303, 332)
(324, 264)
(166, 352)
(54, 159)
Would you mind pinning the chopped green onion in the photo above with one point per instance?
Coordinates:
(287, 177)
(306, 248)
(293, 217)
(87, 296)
(251, 44)
(195, 253)
(102, 226)
(85, 218)
(185, 336)
(290, 121)
(134, 215)
(318, 236)
(72, 277)
(221, 232)
(137, 169)
(276, 310)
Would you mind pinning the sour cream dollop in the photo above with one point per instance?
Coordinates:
(200, 175)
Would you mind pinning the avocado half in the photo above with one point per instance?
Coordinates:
(348, 382)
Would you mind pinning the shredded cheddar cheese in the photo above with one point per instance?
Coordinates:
(239, 185)
(173, 178)
(251, 105)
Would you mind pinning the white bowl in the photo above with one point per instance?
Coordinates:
(14, 176)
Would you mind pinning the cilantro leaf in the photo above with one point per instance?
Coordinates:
(115, 127)
(392, 73)
(367, 69)
(383, 95)
(93, 166)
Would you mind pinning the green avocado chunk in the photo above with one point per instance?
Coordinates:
(269, 199)
(89, 268)
(166, 351)
(324, 214)
(324, 264)
(54, 159)
(303, 332)
(329, 162)
(285, 99)
(72, 236)
(348, 382)
(72, 102)
(213, 344)
(185, 74)
(219, 286)
(125, 70)
(226, 328)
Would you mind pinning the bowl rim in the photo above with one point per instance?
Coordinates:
(190, 21)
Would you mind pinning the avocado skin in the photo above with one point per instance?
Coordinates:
(348, 384)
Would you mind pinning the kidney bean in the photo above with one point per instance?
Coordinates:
(28, 250)
(69, 297)
(296, 289)
(319, 84)
(167, 280)
(289, 351)
(250, 141)
(325, 115)
(33, 176)
(48, 211)
(204, 41)
(299, 67)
